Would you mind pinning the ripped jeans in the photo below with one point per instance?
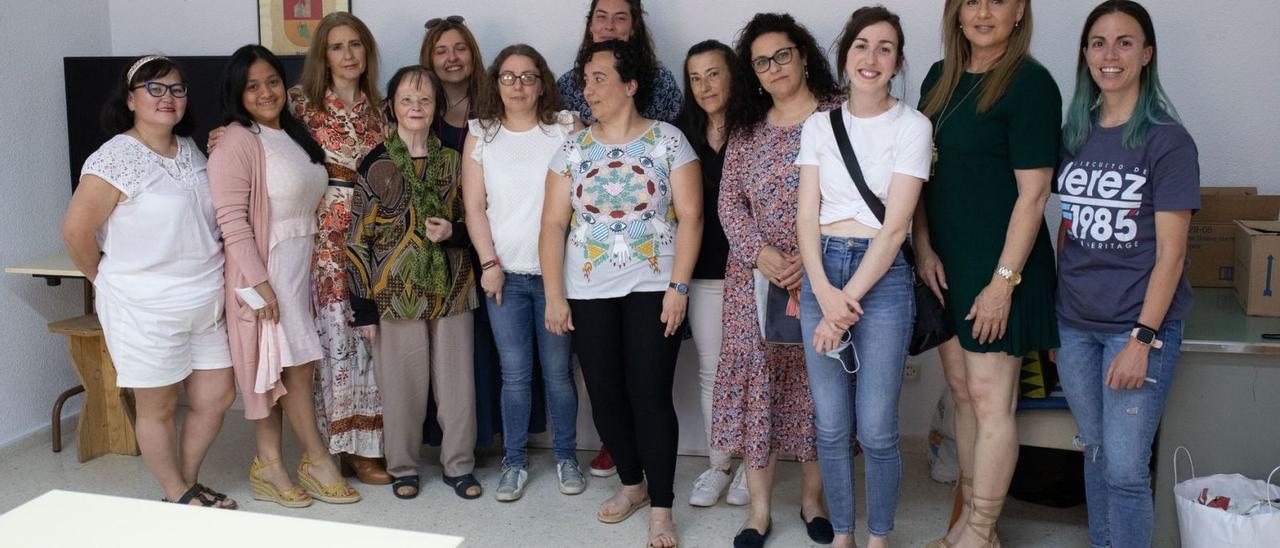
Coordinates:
(1117, 428)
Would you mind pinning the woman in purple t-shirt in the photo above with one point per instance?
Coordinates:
(1129, 182)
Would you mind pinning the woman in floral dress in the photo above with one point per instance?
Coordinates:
(761, 404)
(337, 99)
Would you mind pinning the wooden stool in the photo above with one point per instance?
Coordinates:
(106, 421)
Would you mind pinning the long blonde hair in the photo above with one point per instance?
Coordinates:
(956, 54)
(315, 69)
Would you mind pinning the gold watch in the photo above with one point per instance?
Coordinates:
(1014, 278)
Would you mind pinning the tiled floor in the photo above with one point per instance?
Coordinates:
(543, 517)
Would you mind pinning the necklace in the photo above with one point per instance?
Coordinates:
(936, 128)
(458, 102)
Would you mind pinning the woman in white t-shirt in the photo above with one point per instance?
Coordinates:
(856, 300)
(503, 174)
(141, 228)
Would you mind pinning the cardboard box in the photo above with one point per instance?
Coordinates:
(1257, 267)
(1210, 245)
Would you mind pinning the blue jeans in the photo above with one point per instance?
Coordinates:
(515, 323)
(880, 338)
(1116, 429)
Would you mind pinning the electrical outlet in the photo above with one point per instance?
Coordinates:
(910, 372)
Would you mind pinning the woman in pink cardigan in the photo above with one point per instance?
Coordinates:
(267, 178)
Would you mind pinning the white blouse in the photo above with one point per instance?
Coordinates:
(161, 246)
(515, 174)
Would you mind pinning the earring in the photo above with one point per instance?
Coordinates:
(806, 73)
(759, 91)
(1017, 23)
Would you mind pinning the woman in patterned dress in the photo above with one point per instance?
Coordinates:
(338, 100)
(762, 405)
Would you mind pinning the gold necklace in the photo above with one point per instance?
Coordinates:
(933, 167)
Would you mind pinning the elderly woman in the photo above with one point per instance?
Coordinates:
(627, 195)
(141, 228)
(413, 286)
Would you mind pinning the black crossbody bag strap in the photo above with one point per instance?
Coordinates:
(855, 171)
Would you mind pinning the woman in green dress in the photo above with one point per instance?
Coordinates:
(981, 239)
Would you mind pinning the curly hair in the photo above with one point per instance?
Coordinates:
(639, 30)
(491, 110)
(749, 104)
(631, 62)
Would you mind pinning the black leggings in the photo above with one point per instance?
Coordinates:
(629, 368)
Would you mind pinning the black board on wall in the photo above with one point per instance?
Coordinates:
(89, 81)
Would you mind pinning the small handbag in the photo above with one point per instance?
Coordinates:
(777, 311)
(929, 329)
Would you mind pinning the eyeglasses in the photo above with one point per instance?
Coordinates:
(455, 19)
(156, 89)
(510, 78)
(781, 57)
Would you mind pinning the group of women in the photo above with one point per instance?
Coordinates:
(352, 241)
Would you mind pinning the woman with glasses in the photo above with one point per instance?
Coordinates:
(267, 178)
(519, 129)
(141, 228)
(413, 286)
(762, 405)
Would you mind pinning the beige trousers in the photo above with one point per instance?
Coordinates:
(411, 356)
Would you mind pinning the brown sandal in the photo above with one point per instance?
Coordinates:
(983, 514)
(964, 482)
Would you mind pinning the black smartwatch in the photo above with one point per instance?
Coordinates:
(681, 289)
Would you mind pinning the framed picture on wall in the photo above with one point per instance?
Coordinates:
(285, 26)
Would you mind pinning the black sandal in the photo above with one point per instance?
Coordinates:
(406, 481)
(461, 484)
(195, 492)
(217, 497)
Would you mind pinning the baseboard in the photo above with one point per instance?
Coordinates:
(42, 435)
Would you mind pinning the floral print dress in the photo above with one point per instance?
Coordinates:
(761, 403)
(348, 404)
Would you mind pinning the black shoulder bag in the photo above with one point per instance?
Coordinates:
(930, 329)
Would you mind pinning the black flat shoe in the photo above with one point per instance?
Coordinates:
(819, 529)
(751, 538)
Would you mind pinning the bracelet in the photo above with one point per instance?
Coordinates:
(490, 264)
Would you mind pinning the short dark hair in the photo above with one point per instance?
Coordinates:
(693, 120)
(748, 105)
(234, 80)
(631, 62)
(861, 19)
(416, 73)
(116, 116)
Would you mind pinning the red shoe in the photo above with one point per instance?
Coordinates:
(602, 466)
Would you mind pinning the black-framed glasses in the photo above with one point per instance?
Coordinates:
(455, 19)
(781, 57)
(156, 89)
(510, 78)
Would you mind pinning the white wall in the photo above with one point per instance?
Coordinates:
(1219, 63)
(33, 144)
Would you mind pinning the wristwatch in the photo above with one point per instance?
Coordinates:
(1146, 336)
(681, 289)
(1007, 273)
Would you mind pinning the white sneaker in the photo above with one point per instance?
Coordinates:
(738, 495)
(709, 486)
